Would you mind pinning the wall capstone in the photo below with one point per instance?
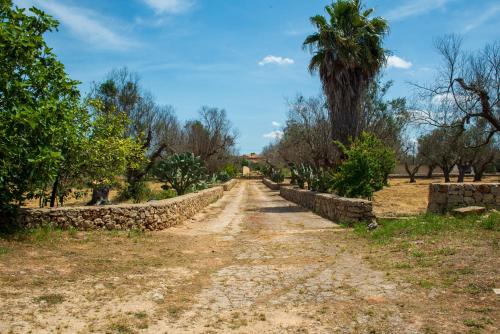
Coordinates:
(152, 216)
(333, 207)
(229, 184)
(273, 185)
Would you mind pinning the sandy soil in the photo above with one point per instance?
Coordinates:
(250, 263)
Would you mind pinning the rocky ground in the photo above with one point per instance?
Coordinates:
(250, 263)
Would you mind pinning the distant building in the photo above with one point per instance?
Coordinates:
(253, 158)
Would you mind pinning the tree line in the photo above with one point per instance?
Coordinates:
(454, 121)
(54, 139)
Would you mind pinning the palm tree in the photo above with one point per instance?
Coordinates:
(347, 52)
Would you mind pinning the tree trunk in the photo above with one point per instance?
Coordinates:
(53, 195)
(100, 196)
(412, 172)
(344, 90)
(461, 173)
(446, 172)
(478, 175)
(430, 171)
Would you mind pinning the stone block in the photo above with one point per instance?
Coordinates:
(469, 210)
(488, 199)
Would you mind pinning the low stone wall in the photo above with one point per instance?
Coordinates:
(444, 197)
(335, 208)
(273, 185)
(230, 184)
(153, 216)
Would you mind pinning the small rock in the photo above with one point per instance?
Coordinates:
(372, 226)
(157, 296)
(99, 286)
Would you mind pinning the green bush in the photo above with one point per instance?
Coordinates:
(231, 170)
(277, 176)
(181, 172)
(302, 174)
(366, 168)
(322, 181)
(137, 191)
(223, 176)
(165, 194)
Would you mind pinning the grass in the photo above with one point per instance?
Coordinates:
(453, 260)
(428, 225)
(50, 299)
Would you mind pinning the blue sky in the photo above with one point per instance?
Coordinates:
(244, 55)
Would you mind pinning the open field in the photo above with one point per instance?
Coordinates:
(253, 262)
(403, 198)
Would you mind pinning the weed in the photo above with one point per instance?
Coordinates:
(140, 315)
(473, 323)
(425, 284)
(446, 251)
(121, 329)
(50, 299)
(4, 250)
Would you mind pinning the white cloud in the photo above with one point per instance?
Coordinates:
(276, 124)
(276, 60)
(486, 16)
(397, 62)
(170, 6)
(414, 8)
(83, 23)
(274, 134)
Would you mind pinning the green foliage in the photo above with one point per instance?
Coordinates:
(277, 176)
(165, 194)
(231, 170)
(223, 176)
(108, 151)
(366, 168)
(182, 172)
(322, 181)
(137, 191)
(38, 105)
(348, 53)
(302, 174)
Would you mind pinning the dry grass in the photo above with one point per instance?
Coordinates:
(451, 263)
(403, 198)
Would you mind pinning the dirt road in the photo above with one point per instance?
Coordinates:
(250, 263)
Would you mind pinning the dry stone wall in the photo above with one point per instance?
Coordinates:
(153, 216)
(230, 184)
(335, 208)
(444, 197)
(273, 185)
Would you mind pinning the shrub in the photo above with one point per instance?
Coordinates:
(322, 181)
(223, 176)
(165, 194)
(277, 176)
(231, 170)
(137, 191)
(182, 172)
(302, 174)
(366, 168)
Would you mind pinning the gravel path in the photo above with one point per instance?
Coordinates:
(287, 274)
(250, 263)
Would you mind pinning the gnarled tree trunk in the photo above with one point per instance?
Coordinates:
(100, 196)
